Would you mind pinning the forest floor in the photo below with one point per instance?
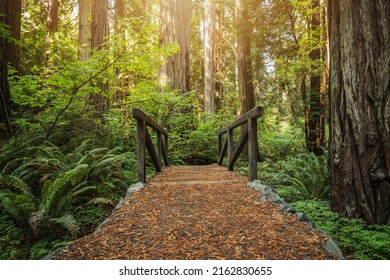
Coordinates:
(198, 212)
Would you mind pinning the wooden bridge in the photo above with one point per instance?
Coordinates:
(198, 212)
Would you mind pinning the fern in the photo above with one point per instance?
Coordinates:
(68, 222)
(306, 175)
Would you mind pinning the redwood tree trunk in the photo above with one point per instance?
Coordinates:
(360, 108)
(315, 136)
(51, 25)
(99, 33)
(84, 29)
(5, 96)
(209, 88)
(12, 17)
(244, 65)
(175, 27)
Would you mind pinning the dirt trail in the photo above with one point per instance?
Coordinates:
(198, 212)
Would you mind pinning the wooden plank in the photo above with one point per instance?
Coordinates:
(141, 172)
(252, 149)
(152, 152)
(138, 114)
(223, 151)
(252, 114)
(230, 146)
(239, 147)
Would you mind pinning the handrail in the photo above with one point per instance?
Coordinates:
(145, 141)
(249, 136)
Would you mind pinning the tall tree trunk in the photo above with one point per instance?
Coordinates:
(175, 27)
(51, 25)
(5, 95)
(316, 138)
(121, 92)
(84, 50)
(209, 88)
(219, 55)
(99, 34)
(360, 108)
(12, 18)
(244, 64)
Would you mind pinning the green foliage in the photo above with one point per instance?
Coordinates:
(356, 239)
(41, 187)
(303, 176)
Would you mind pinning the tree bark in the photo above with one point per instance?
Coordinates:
(99, 34)
(84, 49)
(52, 16)
(13, 17)
(51, 26)
(5, 95)
(209, 88)
(244, 64)
(360, 108)
(316, 139)
(175, 27)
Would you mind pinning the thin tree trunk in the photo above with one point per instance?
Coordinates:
(316, 140)
(12, 17)
(99, 34)
(120, 11)
(360, 108)
(84, 50)
(244, 64)
(51, 26)
(209, 88)
(5, 95)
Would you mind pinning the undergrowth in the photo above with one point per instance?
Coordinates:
(356, 239)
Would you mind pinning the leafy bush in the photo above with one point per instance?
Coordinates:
(303, 176)
(356, 239)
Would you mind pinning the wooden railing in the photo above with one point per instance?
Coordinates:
(145, 141)
(249, 135)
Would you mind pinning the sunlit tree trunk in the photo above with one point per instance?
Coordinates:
(13, 14)
(120, 11)
(51, 26)
(244, 65)
(99, 34)
(84, 49)
(5, 96)
(175, 28)
(360, 108)
(219, 55)
(209, 88)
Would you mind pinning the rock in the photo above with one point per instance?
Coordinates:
(135, 188)
(331, 247)
(274, 198)
(263, 198)
(287, 209)
(303, 218)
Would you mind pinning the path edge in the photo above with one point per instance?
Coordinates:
(268, 194)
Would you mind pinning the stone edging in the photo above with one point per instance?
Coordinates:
(269, 195)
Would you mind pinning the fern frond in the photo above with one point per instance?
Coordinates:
(68, 222)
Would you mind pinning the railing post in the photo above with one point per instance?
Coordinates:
(165, 154)
(159, 146)
(230, 148)
(219, 144)
(141, 142)
(252, 148)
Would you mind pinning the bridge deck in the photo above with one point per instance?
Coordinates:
(198, 212)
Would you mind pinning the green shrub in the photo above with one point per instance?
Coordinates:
(303, 176)
(356, 239)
